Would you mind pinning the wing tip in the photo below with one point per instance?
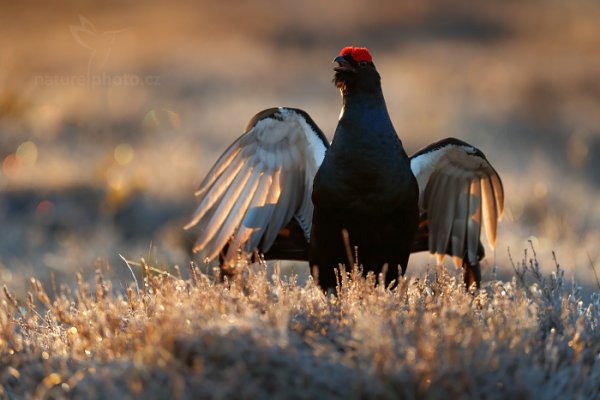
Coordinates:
(189, 225)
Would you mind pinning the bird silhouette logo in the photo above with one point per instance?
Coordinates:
(99, 44)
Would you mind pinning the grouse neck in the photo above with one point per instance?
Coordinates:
(369, 99)
(365, 106)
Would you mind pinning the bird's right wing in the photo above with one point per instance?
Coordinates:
(262, 181)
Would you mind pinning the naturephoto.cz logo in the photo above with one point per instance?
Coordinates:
(97, 80)
(99, 46)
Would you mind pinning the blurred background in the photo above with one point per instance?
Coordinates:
(112, 112)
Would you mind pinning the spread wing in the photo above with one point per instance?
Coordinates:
(459, 191)
(262, 181)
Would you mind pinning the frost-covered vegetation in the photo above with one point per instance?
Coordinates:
(260, 336)
(90, 172)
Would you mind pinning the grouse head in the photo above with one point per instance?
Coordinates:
(355, 72)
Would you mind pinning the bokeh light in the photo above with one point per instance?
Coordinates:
(11, 164)
(44, 207)
(123, 154)
(115, 178)
(161, 118)
(27, 153)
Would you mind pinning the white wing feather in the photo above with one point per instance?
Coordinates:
(262, 181)
(459, 190)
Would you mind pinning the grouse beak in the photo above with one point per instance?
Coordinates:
(343, 65)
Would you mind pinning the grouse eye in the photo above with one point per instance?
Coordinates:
(362, 63)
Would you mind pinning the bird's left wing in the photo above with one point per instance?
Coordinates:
(261, 182)
(459, 190)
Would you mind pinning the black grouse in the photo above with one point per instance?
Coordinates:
(282, 190)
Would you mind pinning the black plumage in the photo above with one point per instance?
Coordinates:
(364, 194)
(282, 190)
